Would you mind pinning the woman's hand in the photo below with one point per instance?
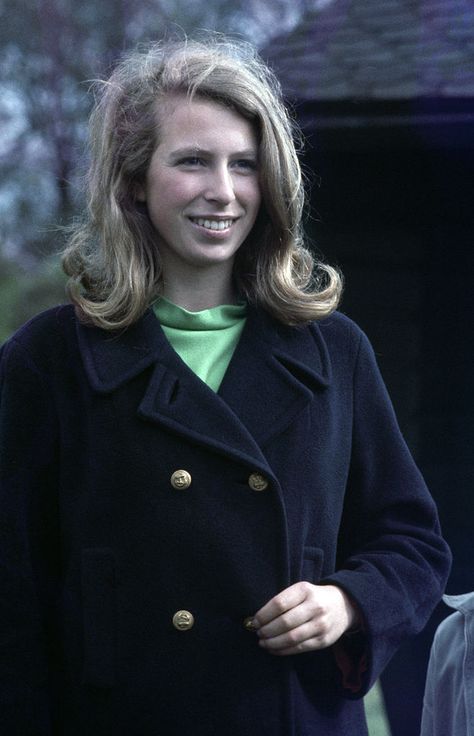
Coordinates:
(304, 617)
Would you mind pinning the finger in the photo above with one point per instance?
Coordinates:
(309, 645)
(289, 620)
(284, 601)
(294, 638)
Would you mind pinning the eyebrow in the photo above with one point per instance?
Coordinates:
(195, 150)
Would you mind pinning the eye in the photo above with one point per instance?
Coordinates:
(192, 161)
(246, 164)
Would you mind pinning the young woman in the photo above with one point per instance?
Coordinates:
(210, 523)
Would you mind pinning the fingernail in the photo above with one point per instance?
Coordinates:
(251, 624)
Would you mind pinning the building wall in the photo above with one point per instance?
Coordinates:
(395, 210)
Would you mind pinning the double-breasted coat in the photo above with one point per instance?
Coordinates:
(297, 471)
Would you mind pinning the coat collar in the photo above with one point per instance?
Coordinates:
(463, 602)
(274, 372)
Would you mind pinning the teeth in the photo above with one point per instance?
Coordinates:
(213, 224)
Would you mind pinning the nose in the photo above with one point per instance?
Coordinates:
(220, 185)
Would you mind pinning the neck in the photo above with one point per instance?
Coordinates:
(200, 291)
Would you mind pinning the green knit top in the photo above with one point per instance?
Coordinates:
(205, 340)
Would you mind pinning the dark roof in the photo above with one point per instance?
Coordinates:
(378, 50)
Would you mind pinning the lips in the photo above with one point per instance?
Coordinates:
(212, 223)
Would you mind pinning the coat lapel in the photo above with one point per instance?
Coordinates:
(273, 374)
(174, 397)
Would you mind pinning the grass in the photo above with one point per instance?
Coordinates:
(375, 712)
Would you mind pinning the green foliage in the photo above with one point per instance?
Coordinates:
(23, 293)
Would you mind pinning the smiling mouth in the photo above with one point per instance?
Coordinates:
(213, 224)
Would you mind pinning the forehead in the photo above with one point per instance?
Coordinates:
(200, 122)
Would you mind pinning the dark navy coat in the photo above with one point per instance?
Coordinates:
(98, 550)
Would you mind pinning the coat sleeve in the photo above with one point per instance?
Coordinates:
(28, 543)
(447, 702)
(392, 559)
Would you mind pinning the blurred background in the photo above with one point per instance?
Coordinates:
(384, 90)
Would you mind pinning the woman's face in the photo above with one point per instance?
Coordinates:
(202, 187)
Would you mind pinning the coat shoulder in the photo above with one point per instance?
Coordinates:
(328, 348)
(450, 630)
(342, 337)
(42, 337)
(338, 326)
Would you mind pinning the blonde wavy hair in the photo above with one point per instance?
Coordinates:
(112, 256)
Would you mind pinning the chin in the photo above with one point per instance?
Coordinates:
(214, 255)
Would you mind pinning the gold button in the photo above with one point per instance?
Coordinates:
(181, 480)
(248, 624)
(183, 620)
(257, 482)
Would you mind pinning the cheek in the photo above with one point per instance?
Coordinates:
(252, 195)
(168, 191)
